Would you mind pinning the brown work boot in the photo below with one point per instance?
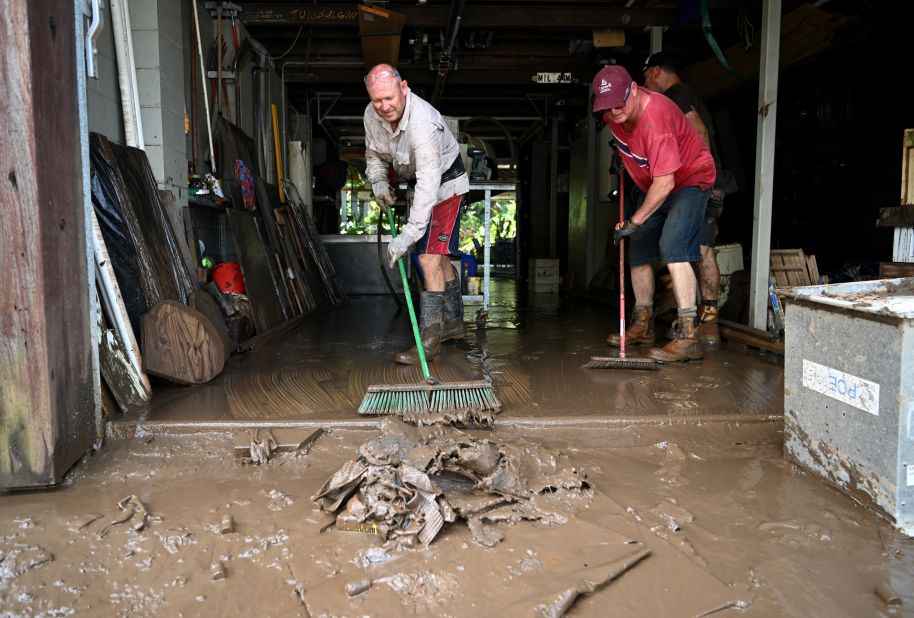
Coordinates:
(708, 332)
(641, 330)
(684, 347)
(431, 343)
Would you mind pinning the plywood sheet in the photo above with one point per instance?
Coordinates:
(260, 276)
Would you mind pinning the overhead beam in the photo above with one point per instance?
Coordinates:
(513, 77)
(508, 17)
(346, 50)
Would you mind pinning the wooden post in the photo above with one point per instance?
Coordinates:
(47, 371)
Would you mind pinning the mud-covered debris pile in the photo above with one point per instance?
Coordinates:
(409, 481)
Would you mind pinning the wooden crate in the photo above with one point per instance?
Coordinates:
(894, 270)
(791, 267)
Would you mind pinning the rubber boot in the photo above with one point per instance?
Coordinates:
(685, 346)
(431, 310)
(641, 330)
(453, 328)
(708, 332)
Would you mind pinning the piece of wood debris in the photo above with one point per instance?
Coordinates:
(286, 441)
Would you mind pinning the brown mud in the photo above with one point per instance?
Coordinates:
(681, 521)
(690, 507)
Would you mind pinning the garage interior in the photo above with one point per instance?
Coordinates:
(187, 340)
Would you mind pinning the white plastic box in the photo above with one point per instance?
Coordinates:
(729, 260)
(544, 276)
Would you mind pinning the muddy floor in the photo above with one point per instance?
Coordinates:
(694, 519)
(690, 507)
(530, 347)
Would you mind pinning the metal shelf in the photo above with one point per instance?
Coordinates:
(487, 187)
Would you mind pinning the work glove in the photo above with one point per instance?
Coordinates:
(395, 250)
(383, 195)
(623, 230)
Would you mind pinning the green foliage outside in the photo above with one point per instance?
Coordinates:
(502, 226)
(362, 215)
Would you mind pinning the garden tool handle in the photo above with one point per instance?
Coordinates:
(622, 266)
(420, 351)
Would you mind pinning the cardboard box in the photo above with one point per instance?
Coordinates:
(543, 275)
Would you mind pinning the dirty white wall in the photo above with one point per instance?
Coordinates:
(103, 94)
(158, 28)
(161, 31)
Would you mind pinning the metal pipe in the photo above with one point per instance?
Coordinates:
(456, 17)
(209, 124)
(117, 311)
(285, 103)
(260, 85)
(83, 64)
(92, 33)
(126, 74)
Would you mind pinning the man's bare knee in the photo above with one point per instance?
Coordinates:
(426, 260)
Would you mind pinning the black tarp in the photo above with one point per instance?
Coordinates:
(139, 236)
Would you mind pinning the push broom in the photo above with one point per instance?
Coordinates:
(431, 395)
(620, 362)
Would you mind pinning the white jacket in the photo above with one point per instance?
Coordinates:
(422, 147)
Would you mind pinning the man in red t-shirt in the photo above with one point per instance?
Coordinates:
(661, 74)
(674, 169)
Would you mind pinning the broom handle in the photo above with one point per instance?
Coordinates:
(409, 302)
(622, 266)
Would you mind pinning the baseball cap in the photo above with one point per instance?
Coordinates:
(661, 59)
(611, 87)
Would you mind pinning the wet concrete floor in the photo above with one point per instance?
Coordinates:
(531, 348)
(686, 468)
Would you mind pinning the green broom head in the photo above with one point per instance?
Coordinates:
(412, 399)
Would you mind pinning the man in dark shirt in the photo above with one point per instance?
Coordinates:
(660, 75)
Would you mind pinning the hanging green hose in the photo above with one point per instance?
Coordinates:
(706, 30)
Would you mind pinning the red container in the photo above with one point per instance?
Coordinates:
(228, 277)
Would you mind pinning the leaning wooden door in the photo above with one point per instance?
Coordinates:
(48, 396)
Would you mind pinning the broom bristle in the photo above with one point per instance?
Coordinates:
(614, 362)
(403, 399)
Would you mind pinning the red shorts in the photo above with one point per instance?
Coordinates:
(441, 235)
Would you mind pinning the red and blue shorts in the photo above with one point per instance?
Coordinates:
(443, 231)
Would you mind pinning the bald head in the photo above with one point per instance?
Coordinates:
(382, 72)
(387, 92)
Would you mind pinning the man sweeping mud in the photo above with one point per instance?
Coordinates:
(407, 139)
(670, 163)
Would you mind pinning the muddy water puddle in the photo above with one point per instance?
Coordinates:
(682, 521)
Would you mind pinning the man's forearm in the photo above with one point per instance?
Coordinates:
(375, 169)
(425, 197)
